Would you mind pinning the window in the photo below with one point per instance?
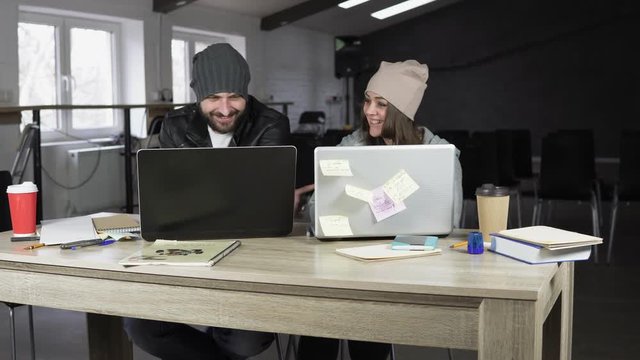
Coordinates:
(65, 60)
(183, 47)
(186, 43)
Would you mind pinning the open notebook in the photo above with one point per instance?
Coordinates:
(116, 223)
(183, 253)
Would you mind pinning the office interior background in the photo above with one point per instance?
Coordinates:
(494, 64)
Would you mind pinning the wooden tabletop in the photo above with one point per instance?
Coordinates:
(298, 260)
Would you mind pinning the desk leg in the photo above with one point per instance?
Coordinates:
(107, 339)
(566, 327)
(558, 327)
(509, 329)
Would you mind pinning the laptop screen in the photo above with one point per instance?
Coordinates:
(212, 193)
(379, 191)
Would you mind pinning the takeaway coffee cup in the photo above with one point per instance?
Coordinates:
(22, 206)
(493, 209)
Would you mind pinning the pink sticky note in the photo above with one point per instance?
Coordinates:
(383, 206)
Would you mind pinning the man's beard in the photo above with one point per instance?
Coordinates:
(225, 128)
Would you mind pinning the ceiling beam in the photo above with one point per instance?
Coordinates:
(296, 13)
(166, 6)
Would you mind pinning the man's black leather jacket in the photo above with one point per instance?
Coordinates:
(258, 125)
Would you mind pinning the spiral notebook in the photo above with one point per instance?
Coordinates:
(116, 223)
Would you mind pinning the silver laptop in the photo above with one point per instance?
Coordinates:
(213, 193)
(381, 191)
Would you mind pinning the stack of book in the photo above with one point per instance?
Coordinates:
(543, 244)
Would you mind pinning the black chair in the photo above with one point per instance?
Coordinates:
(311, 122)
(627, 189)
(479, 161)
(23, 152)
(305, 144)
(514, 163)
(567, 172)
(5, 225)
(458, 138)
(521, 142)
(152, 132)
(332, 137)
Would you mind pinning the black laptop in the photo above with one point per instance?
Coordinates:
(214, 193)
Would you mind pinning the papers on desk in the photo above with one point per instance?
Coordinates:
(66, 230)
(543, 244)
(62, 231)
(550, 237)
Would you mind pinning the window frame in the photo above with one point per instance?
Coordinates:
(63, 25)
(190, 37)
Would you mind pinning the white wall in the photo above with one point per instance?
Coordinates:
(288, 64)
(301, 67)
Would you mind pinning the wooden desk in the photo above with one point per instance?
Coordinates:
(298, 285)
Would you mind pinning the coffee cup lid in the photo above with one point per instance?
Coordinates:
(491, 190)
(25, 187)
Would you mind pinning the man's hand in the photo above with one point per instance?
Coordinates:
(297, 195)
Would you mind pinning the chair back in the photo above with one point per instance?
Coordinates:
(519, 141)
(23, 152)
(567, 169)
(152, 132)
(305, 144)
(458, 138)
(5, 216)
(333, 136)
(311, 122)
(629, 170)
(506, 152)
(479, 161)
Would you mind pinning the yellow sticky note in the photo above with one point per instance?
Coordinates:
(358, 193)
(336, 167)
(400, 186)
(335, 225)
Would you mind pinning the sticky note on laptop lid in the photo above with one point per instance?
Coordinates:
(400, 186)
(335, 225)
(358, 193)
(335, 167)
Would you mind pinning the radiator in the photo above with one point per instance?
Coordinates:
(104, 190)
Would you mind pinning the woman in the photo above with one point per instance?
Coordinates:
(391, 100)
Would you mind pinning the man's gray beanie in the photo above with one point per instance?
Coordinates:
(219, 68)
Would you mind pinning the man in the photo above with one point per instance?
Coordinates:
(224, 115)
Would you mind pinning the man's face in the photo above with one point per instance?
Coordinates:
(222, 110)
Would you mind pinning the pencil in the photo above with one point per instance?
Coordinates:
(34, 246)
(458, 244)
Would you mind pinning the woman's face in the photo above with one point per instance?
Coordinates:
(375, 110)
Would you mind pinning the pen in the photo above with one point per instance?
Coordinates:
(411, 247)
(486, 244)
(458, 244)
(81, 243)
(25, 238)
(35, 246)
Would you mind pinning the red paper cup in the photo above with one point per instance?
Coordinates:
(22, 205)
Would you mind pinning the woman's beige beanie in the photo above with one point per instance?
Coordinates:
(402, 84)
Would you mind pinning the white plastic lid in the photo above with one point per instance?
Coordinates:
(25, 187)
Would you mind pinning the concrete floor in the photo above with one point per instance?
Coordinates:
(606, 305)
